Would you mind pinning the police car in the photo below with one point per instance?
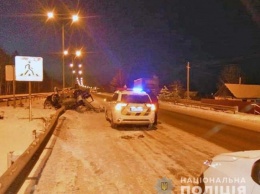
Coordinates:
(130, 106)
(235, 172)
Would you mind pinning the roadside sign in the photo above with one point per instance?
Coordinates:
(28, 68)
(9, 73)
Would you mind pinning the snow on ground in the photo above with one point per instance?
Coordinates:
(16, 131)
(248, 121)
(91, 157)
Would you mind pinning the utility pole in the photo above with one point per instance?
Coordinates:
(63, 65)
(188, 80)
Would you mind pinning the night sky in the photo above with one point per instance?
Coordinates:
(142, 37)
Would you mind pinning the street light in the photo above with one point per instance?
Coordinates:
(72, 74)
(74, 18)
(78, 53)
(66, 52)
(75, 64)
(50, 15)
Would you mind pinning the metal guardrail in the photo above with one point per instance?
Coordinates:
(255, 111)
(20, 98)
(201, 105)
(14, 177)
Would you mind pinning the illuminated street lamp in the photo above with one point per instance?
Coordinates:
(78, 53)
(79, 78)
(66, 52)
(74, 18)
(72, 65)
(72, 77)
(81, 81)
(50, 15)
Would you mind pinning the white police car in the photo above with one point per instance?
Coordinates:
(236, 172)
(130, 107)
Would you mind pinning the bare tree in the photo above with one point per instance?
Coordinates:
(5, 60)
(177, 89)
(230, 74)
(118, 81)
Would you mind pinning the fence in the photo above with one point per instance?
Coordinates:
(256, 109)
(20, 98)
(243, 106)
(201, 105)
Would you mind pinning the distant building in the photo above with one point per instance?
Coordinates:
(240, 92)
(245, 97)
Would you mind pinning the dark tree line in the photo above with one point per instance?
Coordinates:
(231, 73)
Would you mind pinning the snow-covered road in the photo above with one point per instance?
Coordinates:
(91, 157)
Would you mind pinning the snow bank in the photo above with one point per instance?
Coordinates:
(17, 132)
(248, 121)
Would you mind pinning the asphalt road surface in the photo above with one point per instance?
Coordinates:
(230, 137)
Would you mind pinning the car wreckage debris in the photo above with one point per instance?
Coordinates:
(78, 101)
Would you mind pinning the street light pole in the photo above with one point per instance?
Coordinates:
(63, 60)
(188, 80)
(74, 18)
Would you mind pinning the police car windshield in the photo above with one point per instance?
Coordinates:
(132, 98)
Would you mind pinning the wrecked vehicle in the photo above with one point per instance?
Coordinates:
(79, 101)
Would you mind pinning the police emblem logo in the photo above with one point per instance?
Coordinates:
(164, 186)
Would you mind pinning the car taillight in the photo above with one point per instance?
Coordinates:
(119, 106)
(152, 106)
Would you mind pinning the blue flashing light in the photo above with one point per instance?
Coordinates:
(137, 89)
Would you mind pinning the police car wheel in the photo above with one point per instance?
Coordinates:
(150, 126)
(113, 125)
(106, 116)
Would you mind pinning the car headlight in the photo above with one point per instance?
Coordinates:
(152, 106)
(120, 105)
(207, 163)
